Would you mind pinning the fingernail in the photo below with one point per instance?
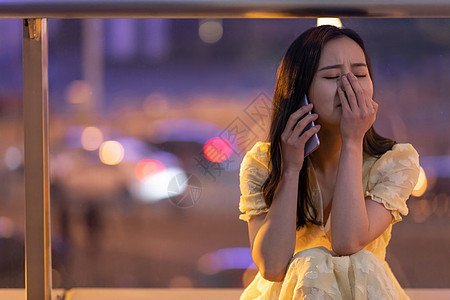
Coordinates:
(344, 78)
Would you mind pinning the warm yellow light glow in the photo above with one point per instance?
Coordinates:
(91, 138)
(210, 31)
(329, 21)
(421, 185)
(265, 15)
(111, 153)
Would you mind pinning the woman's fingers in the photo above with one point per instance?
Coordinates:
(344, 103)
(309, 133)
(360, 113)
(375, 105)
(351, 97)
(361, 98)
(293, 139)
(293, 119)
(301, 125)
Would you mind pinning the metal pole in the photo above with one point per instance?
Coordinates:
(38, 281)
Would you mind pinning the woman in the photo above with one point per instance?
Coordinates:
(319, 225)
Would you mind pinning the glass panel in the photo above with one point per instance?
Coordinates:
(145, 163)
(12, 199)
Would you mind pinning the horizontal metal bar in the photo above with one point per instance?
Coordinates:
(74, 9)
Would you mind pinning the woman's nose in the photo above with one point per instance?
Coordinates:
(339, 84)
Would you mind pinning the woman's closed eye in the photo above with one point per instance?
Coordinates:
(335, 77)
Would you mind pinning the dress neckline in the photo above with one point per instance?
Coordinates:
(316, 195)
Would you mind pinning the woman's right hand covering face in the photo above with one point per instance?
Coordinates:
(358, 109)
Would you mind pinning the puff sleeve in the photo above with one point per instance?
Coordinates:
(252, 174)
(392, 179)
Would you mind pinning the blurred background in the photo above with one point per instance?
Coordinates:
(150, 120)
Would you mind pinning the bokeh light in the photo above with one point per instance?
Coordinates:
(421, 185)
(79, 91)
(420, 210)
(440, 205)
(91, 138)
(217, 150)
(13, 158)
(111, 153)
(224, 259)
(154, 187)
(6, 227)
(210, 31)
(148, 167)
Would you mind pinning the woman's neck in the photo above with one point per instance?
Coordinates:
(326, 158)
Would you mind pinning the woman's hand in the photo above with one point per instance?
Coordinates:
(293, 141)
(358, 109)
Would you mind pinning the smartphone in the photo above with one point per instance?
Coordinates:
(313, 142)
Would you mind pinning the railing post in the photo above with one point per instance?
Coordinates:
(38, 281)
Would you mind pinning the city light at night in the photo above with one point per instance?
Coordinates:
(217, 150)
(13, 158)
(210, 31)
(148, 167)
(111, 153)
(329, 21)
(91, 138)
(421, 185)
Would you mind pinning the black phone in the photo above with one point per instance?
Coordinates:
(313, 143)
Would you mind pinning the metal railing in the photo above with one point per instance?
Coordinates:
(222, 8)
(35, 78)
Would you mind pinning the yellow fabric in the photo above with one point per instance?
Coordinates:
(388, 180)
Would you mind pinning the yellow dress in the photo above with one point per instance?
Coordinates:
(313, 272)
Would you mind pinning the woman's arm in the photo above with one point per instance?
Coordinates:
(350, 220)
(356, 221)
(272, 239)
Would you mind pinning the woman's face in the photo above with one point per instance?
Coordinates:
(339, 56)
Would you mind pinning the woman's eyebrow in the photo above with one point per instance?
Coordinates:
(339, 66)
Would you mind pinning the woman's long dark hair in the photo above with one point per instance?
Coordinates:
(294, 77)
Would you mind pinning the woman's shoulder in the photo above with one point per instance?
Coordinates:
(260, 147)
(403, 153)
(259, 152)
(401, 157)
(403, 149)
(398, 151)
